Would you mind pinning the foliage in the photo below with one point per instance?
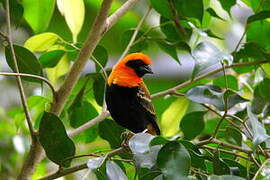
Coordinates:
(214, 125)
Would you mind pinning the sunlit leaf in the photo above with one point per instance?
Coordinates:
(73, 11)
(258, 33)
(172, 116)
(174, 161)
(187, 124)
(55, 141)
(41, 42)
(259, 132)
(59, 70)
(51, 58)
(114, 172)
(38, 13)
(26, 60)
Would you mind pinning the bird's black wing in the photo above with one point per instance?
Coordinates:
(144, 98)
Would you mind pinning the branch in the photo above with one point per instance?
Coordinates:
(119, 13)
(137, 29)
(189, 82)
(89, 45)
(32, 76)
(79, 167)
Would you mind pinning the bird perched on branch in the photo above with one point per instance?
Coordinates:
(128, 98)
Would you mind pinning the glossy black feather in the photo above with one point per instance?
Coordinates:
(130, 108)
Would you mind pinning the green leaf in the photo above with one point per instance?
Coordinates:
(220, 81)
(197, 159)
(241, 170)
(220, 167)
(174, 161)
(190, 8)
(101, 54)
(212, 35)
(209, 94)
(55, 141)
(258, 32)
(169, 30)
(41, 42)
(227, 4)
(139, 46)
(99, 89)
(172, 116)
(231, 132)
(262, 90)
(258, 16)
(26, 60)
(110, 131)
(158, 140)
(82, 114)
(73, 11)
(187, 124)
(224, 177)
(162, 7)
(16, 10)
(259, 131)
(169, 49)
(38, 13)
(213, 13)
(51, 58)
(207, 54)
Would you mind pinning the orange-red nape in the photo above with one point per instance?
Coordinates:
(125, 76)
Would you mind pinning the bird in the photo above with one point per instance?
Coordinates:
(127, 97)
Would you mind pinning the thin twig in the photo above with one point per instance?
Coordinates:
(32, 76)
(63, 172)
(119, 13)
(176, 18)
(18, 78)
(189, 82)
(224, 151)
(136, 31)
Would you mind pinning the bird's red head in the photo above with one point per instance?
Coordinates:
(128, 72)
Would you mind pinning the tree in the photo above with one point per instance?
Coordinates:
(212, 128)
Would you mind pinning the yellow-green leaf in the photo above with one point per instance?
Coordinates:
(41, 42)
(73, 10)
(172, 116)
(59, 70)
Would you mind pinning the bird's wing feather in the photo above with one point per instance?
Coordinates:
(145, 101)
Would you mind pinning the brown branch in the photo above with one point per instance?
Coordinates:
(89, 45)
(189, 82)
(79, 167)
(176, 18)
(32, 76)
(119, 13)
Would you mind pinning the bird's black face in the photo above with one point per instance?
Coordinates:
(139, 67)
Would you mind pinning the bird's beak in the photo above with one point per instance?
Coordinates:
(146, 69)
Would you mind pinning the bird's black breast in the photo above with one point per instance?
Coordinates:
(125, 108)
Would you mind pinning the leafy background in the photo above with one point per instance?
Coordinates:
(187, 39)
